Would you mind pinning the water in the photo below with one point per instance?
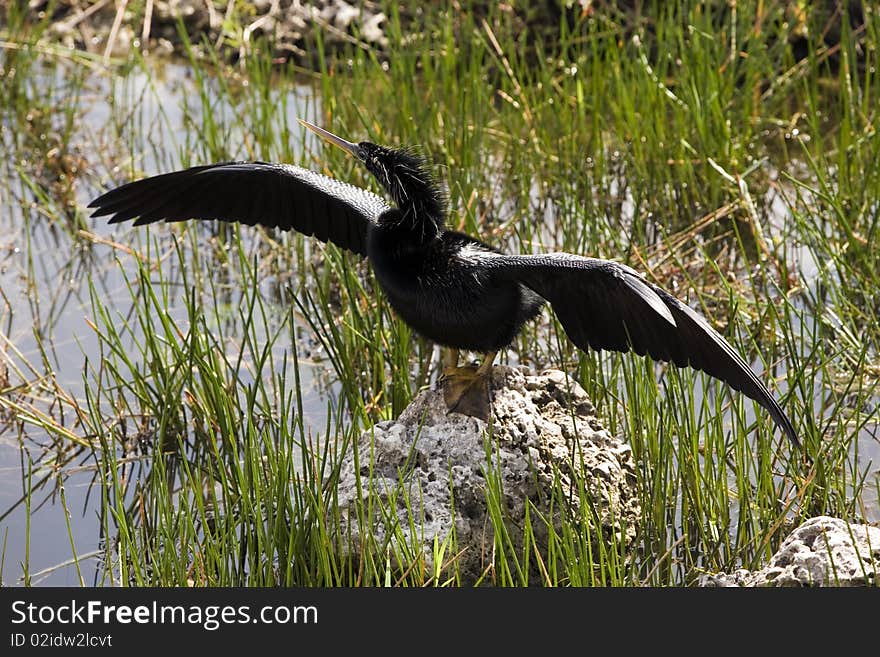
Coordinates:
(45, 314)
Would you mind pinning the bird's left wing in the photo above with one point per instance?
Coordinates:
(273, 195)
(606, 305)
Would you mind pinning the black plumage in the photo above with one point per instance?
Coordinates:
(273, 195)
(451, 288)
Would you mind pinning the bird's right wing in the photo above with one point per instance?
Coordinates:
(606, 305)
(273, 195)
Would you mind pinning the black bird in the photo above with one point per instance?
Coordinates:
(453, 289)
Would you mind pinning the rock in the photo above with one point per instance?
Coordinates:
(823, 551)
(341, 14)
(373, 30)
(544, 432)
(289, 25)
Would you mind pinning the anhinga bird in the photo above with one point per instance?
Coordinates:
(453, 289)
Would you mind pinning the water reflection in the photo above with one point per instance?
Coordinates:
(50, 269)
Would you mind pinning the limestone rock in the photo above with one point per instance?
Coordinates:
(543, 429)
(823, 551)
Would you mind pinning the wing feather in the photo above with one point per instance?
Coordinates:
(606, 305)
(273, 195)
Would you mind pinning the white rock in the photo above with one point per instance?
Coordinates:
(373, 29)
(823, 551)
(542, 430)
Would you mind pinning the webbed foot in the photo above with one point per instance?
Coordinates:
(466, 391)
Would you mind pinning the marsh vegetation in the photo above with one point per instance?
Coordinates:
(173, 400)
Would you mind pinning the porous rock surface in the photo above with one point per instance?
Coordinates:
(542, 427)
(823, 551)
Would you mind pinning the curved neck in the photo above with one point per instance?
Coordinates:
(412, 222)
(420, 201)
(417, 197)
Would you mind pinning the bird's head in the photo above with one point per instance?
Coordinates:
(401, 172)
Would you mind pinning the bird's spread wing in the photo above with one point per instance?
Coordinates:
(273, 195)
(606, 305)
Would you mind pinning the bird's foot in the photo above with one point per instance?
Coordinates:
(466, 391)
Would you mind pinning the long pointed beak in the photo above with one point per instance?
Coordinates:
(347, 146)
